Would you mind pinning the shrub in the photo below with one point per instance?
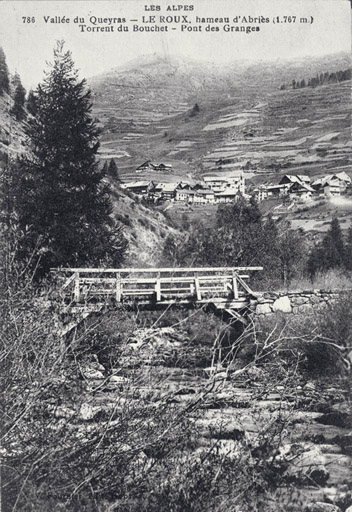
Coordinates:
(144, 222)
(318, 344)
(124, 219)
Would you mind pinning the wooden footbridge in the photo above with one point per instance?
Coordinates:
(87, 290)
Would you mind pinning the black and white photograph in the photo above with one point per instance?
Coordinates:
(175, 256)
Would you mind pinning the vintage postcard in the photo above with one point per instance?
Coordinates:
(175, 256)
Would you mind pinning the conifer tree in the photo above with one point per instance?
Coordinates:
(195, 110)
(330, 252)
(291, 252)
(105, 169)
(333, 246)
(63, 206)
(19, 102)
(4, 73)
(348, 251)
(112, 170)
(31, 103)
(15, 80)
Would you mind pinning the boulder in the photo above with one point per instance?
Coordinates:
(315, 299)
(319, 475)
(282, 305)
(342, 497)
(310, 386)
(117, 379)
(299, 301)
(89, 412)
(345, 441)
(93, 362)
(337, 419)
(263, 309)
(309, 466)
(61, 411)
(90, 373)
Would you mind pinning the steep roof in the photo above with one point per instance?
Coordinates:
(304, 178)
(332, 183)
(169, 187)
(296, 178)
(340, 176)
(186, 191)
(144, 164)
(228, 192)
(301, 186)
(343, 176)
(205, 192)
(161, 164)
(149, 163)
(134, 184)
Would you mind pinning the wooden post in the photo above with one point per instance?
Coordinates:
(76, 292)
(158, 288)
(118, 287)
(234, 285)
(196, 283)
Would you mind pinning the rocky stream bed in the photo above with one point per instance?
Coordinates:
(299, 426)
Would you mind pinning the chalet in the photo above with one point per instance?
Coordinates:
(301, 191)
(267, 191)
(140, 187)
(169, 190)
(342, 176)
(199, 196)
(235, 180)
(203, 196)
(289, 179)
(149, 165)
(332, 188)
(162, 167)
(184, 185)
(145, 166)
(339, 180)
(185, 195)
(227, 196)
(164, 190)
(157, 190)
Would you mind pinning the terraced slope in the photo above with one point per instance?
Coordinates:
(244, 120)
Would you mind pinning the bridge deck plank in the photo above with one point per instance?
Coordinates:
(154, 270)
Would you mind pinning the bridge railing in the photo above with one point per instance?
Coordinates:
(155, 284)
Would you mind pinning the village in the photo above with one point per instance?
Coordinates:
(210, 190)
(224, 188)
(302, 187)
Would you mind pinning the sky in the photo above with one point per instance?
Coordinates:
(28, 40)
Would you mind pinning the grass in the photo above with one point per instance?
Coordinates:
(333, 279)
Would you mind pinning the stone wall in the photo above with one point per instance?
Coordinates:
(295, 302)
